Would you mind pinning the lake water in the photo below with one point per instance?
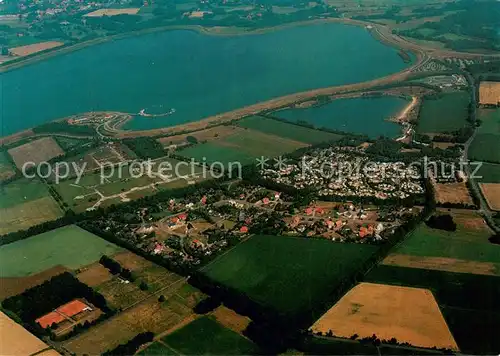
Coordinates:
(197, 74)
(358, 115)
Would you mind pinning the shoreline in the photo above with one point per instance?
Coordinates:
(209, 31)
(376, 30)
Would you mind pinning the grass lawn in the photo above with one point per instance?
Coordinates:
(444, 114)
(244, 147)
(69, 246)
(282, 129)
(288, 274)
(205, 336)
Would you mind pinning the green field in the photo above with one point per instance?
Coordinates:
(486, 144)
(287, 274)
(444, 114)
(464, 244)
(21, 191)
(283, 129)
(489, 172)
(205, 336)
(69, 246)
(243, 146)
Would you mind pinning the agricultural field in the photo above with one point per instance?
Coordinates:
(210, 134)
(205, 336)
(489, 93)
(491, 192)
(408, 314)
(469, 302)
(10, 286)
(37, 151)
(26, 50)
(454, 193)
(16, 340)
(450, 108)
(244, 146)
(6, 168)
(230, 319)
(113, 12)
(486, 146)
(466, 250)
(489, 173)
(69, 246)
(147, 315)
(122, 295)
(286, 130)
(287, 274)
(25, 203)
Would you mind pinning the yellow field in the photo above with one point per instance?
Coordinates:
(113, 12)
(491, 192)
(26, 215)
(34, 48)
(36, 151)
(489, 93)
(16, 340)
(408, 314)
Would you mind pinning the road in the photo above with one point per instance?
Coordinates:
(484, 209)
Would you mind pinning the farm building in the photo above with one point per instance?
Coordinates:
(65, 311)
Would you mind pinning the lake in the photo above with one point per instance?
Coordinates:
(197, 74)
(362, 115)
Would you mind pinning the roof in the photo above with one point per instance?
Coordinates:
(69, 309)
(72, 308)
(49, 319)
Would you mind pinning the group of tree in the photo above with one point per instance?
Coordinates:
(116, 268)
(145, 147)
(44, 298)
(442, 222)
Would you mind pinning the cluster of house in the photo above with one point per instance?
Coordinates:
(345, 222)
(336, 173)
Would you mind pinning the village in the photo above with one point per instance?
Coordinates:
(192, 230)
(336, 171)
